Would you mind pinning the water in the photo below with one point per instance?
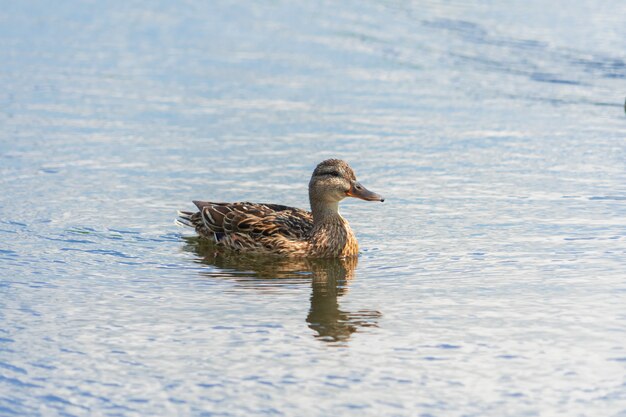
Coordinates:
(491, 281)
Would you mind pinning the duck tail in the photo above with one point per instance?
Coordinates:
(185, 218)
(194, 220)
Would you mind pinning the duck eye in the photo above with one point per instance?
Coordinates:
(333, 174)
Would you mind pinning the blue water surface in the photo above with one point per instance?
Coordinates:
(491, 282)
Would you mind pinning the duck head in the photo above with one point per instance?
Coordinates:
(333, 180)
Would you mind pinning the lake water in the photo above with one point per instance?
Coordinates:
(491, 282)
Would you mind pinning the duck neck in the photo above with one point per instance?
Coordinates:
(325, 212)
(331, 235)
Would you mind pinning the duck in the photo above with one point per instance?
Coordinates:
(261, 228)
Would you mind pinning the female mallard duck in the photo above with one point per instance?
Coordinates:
(287, 231)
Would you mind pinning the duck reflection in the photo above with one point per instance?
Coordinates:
(329, 281)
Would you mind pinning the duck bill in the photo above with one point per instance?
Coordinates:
(358, 191)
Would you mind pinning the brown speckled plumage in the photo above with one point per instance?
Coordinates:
(287, 231)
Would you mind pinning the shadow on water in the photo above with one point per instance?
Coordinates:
(329, 279)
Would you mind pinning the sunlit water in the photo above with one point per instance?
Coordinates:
(492, 281)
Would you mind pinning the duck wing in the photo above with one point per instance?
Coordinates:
(255, 219)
